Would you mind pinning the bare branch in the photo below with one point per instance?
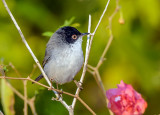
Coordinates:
(16, 71)
(86, 105)
(32, 105)
(101, 17)
(91, 67)
(33, 70)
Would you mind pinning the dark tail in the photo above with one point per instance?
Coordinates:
(38, 78)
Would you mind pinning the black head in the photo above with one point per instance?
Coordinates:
(69, 34)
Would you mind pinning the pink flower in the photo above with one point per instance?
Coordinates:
(124, 100)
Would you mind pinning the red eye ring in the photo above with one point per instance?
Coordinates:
(74, 36)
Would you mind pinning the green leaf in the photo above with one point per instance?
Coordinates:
(68, 22)
(48, 34)
(7, 98)
(5, 69)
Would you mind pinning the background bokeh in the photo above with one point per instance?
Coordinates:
(134, 55)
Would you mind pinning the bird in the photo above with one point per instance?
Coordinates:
(63, 56)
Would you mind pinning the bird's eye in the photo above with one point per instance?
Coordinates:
(74, 36)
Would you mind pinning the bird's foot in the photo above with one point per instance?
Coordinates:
(78, 84)
(60, 93)
(55, 99)
(58, 97)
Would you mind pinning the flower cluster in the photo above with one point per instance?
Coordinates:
(124, 100)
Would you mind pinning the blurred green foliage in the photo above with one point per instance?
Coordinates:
(133, 57)
(7, 98)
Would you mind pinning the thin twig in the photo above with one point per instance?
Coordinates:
(101, 17)
(94, 73)
(32, 105)
(33, 70)
(16, 71)
(25, 98)
(91, 67)
(86, 105)
(90, 71)
(100, 83)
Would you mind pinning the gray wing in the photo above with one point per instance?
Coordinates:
(46, 59)
(49, 50)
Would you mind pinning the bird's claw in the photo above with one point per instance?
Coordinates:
(78, 84)
(58, 97)
(55, 99)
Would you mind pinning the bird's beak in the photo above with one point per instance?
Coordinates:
(83, 34)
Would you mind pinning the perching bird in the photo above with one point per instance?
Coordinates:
(63, 56)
